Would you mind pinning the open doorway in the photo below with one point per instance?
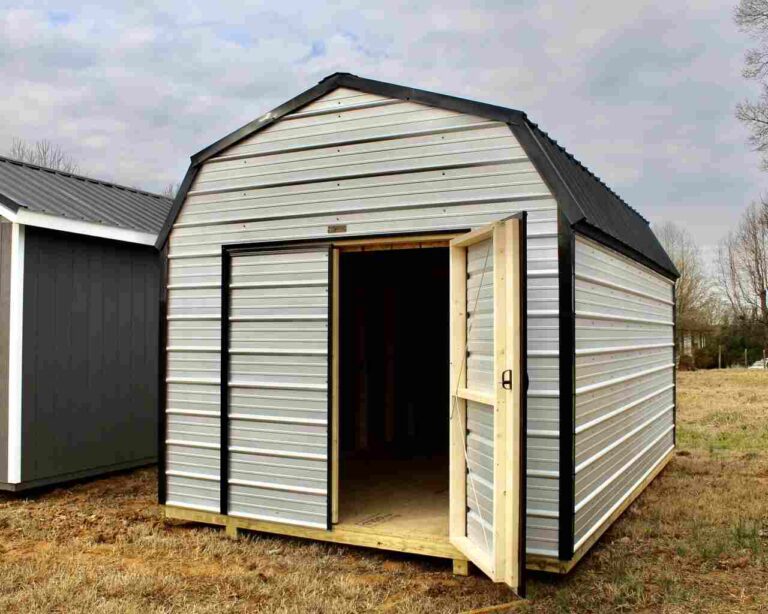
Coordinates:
(393, 390)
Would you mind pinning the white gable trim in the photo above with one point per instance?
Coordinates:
(16, 322)
(54, 222)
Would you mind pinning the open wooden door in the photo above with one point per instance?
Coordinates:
(487, 413)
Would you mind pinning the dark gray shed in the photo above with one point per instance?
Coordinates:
(78, 325)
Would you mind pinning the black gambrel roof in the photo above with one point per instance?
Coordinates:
(53, 192)
(586, 202)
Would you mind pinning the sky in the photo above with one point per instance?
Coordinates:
(643, 93)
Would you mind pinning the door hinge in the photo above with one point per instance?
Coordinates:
(506, 379)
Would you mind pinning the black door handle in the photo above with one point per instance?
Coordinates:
(506, 379)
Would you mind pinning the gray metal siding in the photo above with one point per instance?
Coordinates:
(480, 354)
(624, 379)
(376, 165)
(278, 407)
(480, 475)
(5, 319)
(89, 356)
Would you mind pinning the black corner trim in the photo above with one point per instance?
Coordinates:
(523, 454)
(181, 196)
(226, 268)
(567, 326)
(162, 388)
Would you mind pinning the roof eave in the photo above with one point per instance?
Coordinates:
(23, 216)
(593, 232)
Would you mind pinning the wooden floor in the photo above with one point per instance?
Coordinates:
(398, 497)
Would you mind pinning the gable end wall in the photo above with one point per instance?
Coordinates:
(377, 166)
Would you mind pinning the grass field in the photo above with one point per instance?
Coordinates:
(695, 541)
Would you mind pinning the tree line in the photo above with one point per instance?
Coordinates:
(721, 313)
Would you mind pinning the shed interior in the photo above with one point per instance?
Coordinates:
(394, 390)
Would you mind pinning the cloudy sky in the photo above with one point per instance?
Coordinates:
(642, 92)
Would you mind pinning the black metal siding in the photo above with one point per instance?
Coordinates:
(90, 355)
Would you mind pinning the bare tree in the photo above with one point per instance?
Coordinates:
(752, 18)
(743, 265)
(694, 305)
(170, 190)
(43, 153)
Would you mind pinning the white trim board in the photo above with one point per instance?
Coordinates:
(15, 337)
(91, 229)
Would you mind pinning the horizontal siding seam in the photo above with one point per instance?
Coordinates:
(277, 453)
(585, 464)
(278, 419)
(588, 425)
(621, 499)
(623, 469)
(622, 348)
(392, 136)
(614, 286)
(279, 487)
(370, 174)
(590, 315)
(621, 380)
(532, 196)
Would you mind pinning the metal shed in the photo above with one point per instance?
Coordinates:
(410, 321)
(79, 322)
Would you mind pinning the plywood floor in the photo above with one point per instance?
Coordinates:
(395, 496)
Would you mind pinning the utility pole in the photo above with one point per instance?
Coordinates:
(720, 356)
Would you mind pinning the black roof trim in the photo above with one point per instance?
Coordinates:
(583, 197)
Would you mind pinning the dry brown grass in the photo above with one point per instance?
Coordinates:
(696, 540)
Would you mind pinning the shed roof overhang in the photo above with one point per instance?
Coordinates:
(17, 213)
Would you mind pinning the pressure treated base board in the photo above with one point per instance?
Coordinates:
(341, 534)
(553, 565)
(425, 545)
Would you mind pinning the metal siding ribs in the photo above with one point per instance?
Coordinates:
(624, 379)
